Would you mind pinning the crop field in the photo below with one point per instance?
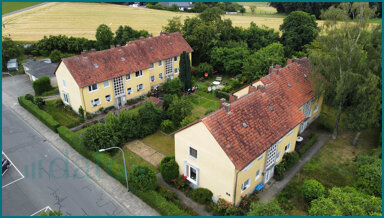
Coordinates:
(82, 19)
(8, 7)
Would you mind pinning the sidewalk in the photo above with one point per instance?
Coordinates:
(268, 194)
(133, 204)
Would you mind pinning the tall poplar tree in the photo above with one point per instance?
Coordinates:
(185, 71)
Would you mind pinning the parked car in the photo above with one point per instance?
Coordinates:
(6, 165)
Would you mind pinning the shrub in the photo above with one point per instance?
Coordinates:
(312, 189)
(142, 178)
(174, 86)
(307, 145)
(169, 169)
(179, 109)
(81, 111)
(210, 110)
(201, 195)
(290, 159)
(73, 140)
(39, 102)
(221, 206)
(203, 68)
(29, 97)
(232, 211)
(167, 126)
(55, 56)
(187, 120)
(245, 202)
(180, 181)
(149, 119)
(99, 136)
(43, 116)
(279, 171)
(167, 194)
(41, 85)
(369, 172)
(265, 209)
(220, 94)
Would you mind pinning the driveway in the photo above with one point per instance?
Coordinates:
(17, 85)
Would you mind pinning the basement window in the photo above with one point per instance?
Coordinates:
(193, 152)
(97, 66)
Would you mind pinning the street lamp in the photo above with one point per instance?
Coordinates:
(125, 168)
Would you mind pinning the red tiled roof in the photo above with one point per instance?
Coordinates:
(137, 56)
(268, 117)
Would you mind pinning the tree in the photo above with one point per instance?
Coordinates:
(104, 36)
(174, 25)
(185, 71)
(253, 8)
(200, 7)
(369, 174)
(114, 125)
(149, 119)
(55, 56)
(10, 50)
(339, 63)
(203, 68)
(125, 34)
(128, 123)
(312, 189)
(258, 37)
(298, 29)
(142, 178)
(229, 60)
(265, 209)
(98, 136)
(346, 201)
(242, 10)
(179, 109)
(211, 15)
(41, 85)
(314, 8)
(173, 87)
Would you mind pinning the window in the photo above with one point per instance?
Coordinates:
(316, 108)
(93, 87)
(192, 173)
(152, 78)
(245, 185)
(139, 73)
(160, 63)
(258, 173)
(95, 102)
(128, 77)
(176, 70)
(140, 87)
(108, 98)
(151, 66)
(64, 83)
(278, 157)
(66, 97)
(261, 156)
(160, 75)
(106, 84)
(287, 148)
(193, 152)
(175, 58)
(129, 91)
(290, 132)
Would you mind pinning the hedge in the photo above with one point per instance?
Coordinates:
(43, 116)
(307, 145)
(221, 95)
(73, 140)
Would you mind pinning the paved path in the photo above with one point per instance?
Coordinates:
(187, 201)
(132, 204)
(146, 152)
(268, 194)
(25, 9)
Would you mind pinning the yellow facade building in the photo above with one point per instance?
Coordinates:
(233, 151)
(101, 79)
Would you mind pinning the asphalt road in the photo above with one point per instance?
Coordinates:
(41, 177)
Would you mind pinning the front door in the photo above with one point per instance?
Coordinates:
(303, 126)
(268, 174)
(118, 102)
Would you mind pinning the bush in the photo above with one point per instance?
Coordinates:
(220, 94)
(279, 171)
(221, 206)
(180, 182)
(142, 178)
(39, 102)
(98, 136)
(167, 194)
(73, 140)
(81, 111)
(312, 189)
(271, 208)
(201, 195)
(290, 159)
(29, 97)
(174, 86)
(55, 56)
(203, 68)
(187, 120)
(41, 85)
(149, 119)
(179, 109)
(369, 172)
(43, 116)
(169, 169)
(307, 145)
(167, 126)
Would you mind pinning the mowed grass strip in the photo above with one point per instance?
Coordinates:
(8, 7)
(82, 19)
(161, 142)
(62, 116)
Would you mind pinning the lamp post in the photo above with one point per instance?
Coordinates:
(125, 168)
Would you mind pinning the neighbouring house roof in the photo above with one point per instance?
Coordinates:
(98, 66)
(12, 64)
(268, 113)
(40, 68)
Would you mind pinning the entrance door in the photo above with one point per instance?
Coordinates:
(303, 126)
(118, 102)
(268, 174)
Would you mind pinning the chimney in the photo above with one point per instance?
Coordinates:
(93, 50)
(232, 98)
(112, 46)
(289, 61)
(83, 53)
(277, 66)
(227, 107)
(141, 38)
(251, 89)
(148, 36)
(261, 88)
(222, 100)
(118, 45)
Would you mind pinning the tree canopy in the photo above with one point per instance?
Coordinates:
(104, 36)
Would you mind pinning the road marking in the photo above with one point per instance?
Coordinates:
(45, 209)
(12, 164)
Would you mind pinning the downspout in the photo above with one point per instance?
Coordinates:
(82, 93)
(234, 196)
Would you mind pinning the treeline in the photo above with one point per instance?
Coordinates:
(199, 7)
(314, 8)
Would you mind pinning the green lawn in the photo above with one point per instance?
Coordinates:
(161, 142)
(50, 92)
(65, 118)
(376, 20)
(14, 6)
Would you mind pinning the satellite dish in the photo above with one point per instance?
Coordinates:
(209, 89)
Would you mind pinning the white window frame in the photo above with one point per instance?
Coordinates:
(137, 87)
(66, 101)
(91, 89)
(64, 84)
(189, 153)
(129, 92)
(288, 147)
(290, 132)
(151, 65)
(93, 102)
(176, 70)
(160, 63)
(106, 86)
(140, 73)
(258, 174)
(126, 77)
(187, 167)
(245, 187)
(161, 75)
(316, 108)
(278, 156)
(110, 98)
(175, 59)
(154, 78)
